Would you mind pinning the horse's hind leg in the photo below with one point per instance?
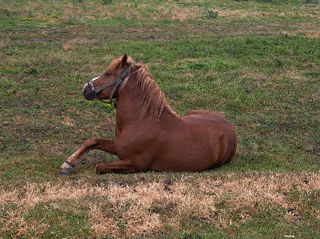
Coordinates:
(119, 166)
(93, 143)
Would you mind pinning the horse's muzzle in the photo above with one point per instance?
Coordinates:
(88, 92)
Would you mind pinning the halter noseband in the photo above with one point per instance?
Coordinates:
(94, 92)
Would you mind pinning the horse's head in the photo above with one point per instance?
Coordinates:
(106, 85)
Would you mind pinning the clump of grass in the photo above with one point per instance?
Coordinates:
(107, 2)
(6, 12)
(314, 2)
(278, 61)
(134, 5)
(210, 13)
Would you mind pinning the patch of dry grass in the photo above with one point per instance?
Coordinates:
(149, 207)
(78, 41)
(312, 34)
(176, 13)
(92, 10)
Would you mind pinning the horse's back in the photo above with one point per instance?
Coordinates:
(208, 121)
(200, 114)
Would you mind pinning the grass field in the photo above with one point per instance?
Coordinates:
(256, 62)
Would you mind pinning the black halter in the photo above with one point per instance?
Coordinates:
(94, 92)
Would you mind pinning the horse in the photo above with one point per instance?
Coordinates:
(149, 134)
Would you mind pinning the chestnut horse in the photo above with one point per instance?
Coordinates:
(149, 134)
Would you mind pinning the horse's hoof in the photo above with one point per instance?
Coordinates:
(65, 171)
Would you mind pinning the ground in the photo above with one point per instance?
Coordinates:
(257, 62)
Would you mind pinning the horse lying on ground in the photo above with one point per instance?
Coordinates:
(149, 134)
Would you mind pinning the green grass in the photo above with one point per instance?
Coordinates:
(256, 62)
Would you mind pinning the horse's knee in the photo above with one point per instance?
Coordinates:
(91, 141)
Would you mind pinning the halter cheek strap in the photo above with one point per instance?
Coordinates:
(116, 83)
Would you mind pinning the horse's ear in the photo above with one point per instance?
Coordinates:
(124, 60)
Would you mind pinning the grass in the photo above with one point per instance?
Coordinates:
(256, 62)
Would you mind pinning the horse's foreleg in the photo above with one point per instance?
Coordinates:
(93, 143)
(119, 166)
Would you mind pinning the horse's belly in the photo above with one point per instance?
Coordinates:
(182, 164)
(186, 158)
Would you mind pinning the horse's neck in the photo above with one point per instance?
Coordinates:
(130, 111)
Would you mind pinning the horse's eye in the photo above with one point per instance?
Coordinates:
(107, 74)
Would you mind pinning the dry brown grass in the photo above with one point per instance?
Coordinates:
(90, 10)
(308, 29)
(245, 13)
(312, 34)
(175, 13)
(148, 11)
(78, 41)
(3, 43)
(262, 80)
(149, 207)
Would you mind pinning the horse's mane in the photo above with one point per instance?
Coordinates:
(150, 96)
